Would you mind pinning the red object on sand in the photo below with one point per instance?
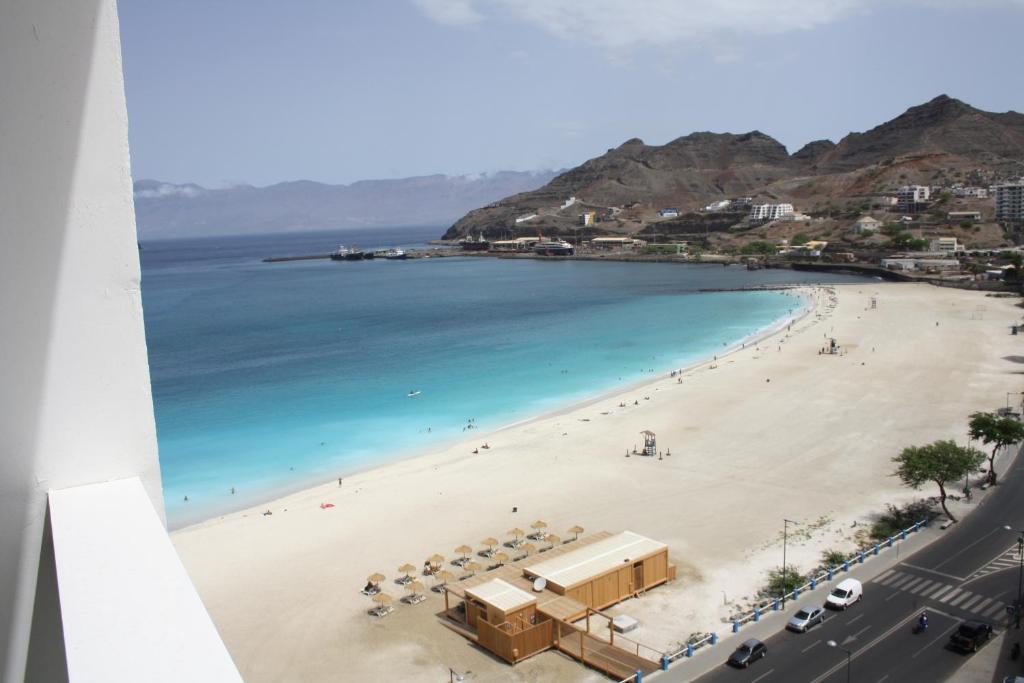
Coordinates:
(326, 505)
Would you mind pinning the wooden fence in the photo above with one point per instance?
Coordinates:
(513, 647)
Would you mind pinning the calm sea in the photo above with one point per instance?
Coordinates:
(271, 377)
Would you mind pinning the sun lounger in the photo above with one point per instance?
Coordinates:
(402, 580)
(414, 599)
(372, 591)
(382, 611)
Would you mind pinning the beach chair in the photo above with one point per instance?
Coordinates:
(414, 599)
(371, 591)
(382, 611)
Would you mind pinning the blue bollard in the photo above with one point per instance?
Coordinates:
(639, 676)
(903, 535)
(830, 573)
(714, 639)
(775, 605)
(846, 565)
(664, 662)
(689, 650)
(860, 558)
(888, 543)
(796, 593)
(735, 626)
(925, 521)
(757, 614)
(814, 583)
(917, 526)
(876, 549)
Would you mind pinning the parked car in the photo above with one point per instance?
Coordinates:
(970, 635)
(748, 653)
(1014, 679)
(806, 617)
(846, 593)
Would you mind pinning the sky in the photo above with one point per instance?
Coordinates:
(260, 92)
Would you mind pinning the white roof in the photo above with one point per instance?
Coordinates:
(867, 219)
(595, 559)
(501, 594)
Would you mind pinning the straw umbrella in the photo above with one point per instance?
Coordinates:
(414, 588)
(500, 558)
(463, 551)
(575, 531)
(538, 528)
(515, 534)
(442, 577)
(490, 543)
(375, 579)
(553, 540)
(472, 567)
(528, 547)
(435, 561)
(382, 599)
(405, 569)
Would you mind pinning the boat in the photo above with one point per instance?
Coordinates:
(369, 255)
(474, 243)
(395, 255)
(553, 247)
(413, 394)
(346, 254)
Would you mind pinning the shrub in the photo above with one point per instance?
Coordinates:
(793, 579)
(895, 520)
(832, 558)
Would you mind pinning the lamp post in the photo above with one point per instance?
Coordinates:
(849, 656)
(785, 536)
(1020, 574)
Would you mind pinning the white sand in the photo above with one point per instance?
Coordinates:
(815, 442)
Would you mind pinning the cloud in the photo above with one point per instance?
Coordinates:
(167, 190)
(626, 24)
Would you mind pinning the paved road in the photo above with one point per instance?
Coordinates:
(969, 573)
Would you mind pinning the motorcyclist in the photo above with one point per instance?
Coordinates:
(922, 621)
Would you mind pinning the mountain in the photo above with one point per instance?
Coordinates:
(168, 210)
(939, 140)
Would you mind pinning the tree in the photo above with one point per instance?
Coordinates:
(996, 431)
(942, 462)
(800, 238)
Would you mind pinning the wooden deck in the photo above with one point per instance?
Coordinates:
(601, 655)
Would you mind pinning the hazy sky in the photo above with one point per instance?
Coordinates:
(336, 91)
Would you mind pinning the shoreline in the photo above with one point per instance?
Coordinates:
(802, 292)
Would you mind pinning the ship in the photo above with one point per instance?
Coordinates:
(346, 254)
(395, 255)
(553, 247)
(474, 244)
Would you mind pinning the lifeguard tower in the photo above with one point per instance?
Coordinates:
(650, 444)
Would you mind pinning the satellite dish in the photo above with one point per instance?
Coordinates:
(539, 584)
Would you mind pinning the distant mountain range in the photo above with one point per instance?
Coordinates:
(167, 210)
(944, 139)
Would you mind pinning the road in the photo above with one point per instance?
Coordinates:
(969, 573)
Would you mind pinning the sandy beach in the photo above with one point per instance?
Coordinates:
(768, 431)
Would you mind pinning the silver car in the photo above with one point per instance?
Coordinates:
(805, 618)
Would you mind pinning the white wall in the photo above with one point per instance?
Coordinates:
(75, 404)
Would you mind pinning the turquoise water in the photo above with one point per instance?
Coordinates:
(270, 377)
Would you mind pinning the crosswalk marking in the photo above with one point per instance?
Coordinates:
(994, 609)
(910, 585)
(982, 605)
(902, 581)
(951, 595)
(922, 587)
(942, 590)
(967, 605)
(960, 598)
(884, 575)
(1010, 558)
(892, 578)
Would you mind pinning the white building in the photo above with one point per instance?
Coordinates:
(945, 245)
(568, 202)
(958, 216)
(670, 212)
(588, 218)
(920, 264)
(912, 197)
(769, 212)
(1010, 201)
(974, 192)
(527, 217)
(866, 225)
(715, 207)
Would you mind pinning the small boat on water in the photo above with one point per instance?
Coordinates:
(553, 247)
(395, 255)
(413, 394)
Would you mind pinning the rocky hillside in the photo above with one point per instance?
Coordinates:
(168, 210)
(943, 138)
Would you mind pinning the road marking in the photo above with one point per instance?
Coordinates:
(967, 605)
(984, 603)
(892, 578)
(922, 586)
(943, 635)
(815, 643)
(894, 595)
(949, 596)
(1004, 560)
(882, 678)
(912, 583)
(902, 581)
(960, 598)
(857, 634)
(968, 547)
(766, 673)
(859, 616)
(884, 575)
(942, 590)
(993, 610)
(932, 571)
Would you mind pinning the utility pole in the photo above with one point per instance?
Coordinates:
(785, 535)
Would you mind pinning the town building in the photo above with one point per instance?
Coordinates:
(972, 192)
(1010, 201)
(912, 197)
(945, 245)
(715, 207)
(960, 216)
(795, 217)
(762, 213)
(518, 244)
(867, 225)
(607, 243)
(884, 202)
(588, 218)
(670, 212)
(922, 264)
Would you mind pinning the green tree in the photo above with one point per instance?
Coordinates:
(800, 238)
(942, 462)
(758, 247)
(996, 431)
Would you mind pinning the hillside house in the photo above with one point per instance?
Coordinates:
(669, 212)
(866, 225)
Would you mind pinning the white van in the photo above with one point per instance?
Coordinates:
(846, 592)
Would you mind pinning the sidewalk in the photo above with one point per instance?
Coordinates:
(711, 657)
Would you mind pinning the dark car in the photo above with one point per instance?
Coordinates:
(970, 635)
(748, 653)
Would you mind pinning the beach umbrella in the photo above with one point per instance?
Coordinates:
(528, 547)
(490, 543)
(405, 569)
(382, 598)
(471, 567)
(500, 558)
(464, 551)
(414, 588)
(435, 561)
(515, 533)
(375, 577)
(553, 540)
(538, 528)
(444, 576)
(576, 531)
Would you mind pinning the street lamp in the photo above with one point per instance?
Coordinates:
(785, 534)
(849, 656)
(1020, 574)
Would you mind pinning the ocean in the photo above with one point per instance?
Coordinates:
(269, 377)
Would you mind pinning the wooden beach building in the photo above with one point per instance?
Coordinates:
(520, 609)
